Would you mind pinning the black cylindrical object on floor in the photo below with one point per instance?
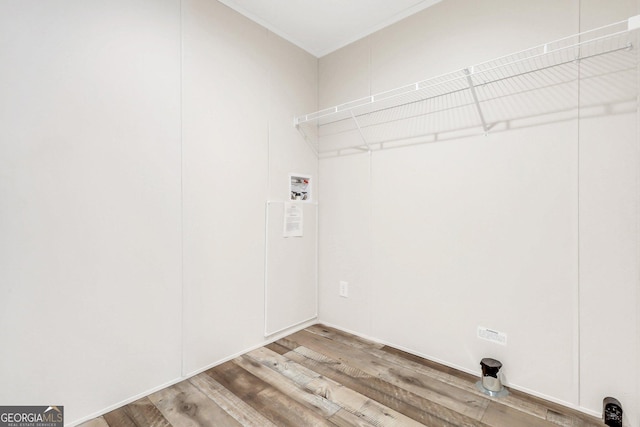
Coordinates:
(612, 412)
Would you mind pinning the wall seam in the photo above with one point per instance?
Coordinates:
(182, 281)
(265, 268)
(578, 281)
(371, 208)
(637, 334)
(317, 192)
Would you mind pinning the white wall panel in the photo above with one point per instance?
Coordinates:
(291, 277)
(345, 242)
(608, 261)
(293, 80)
(291, 263)
(242, 87)
(455, 34)
(481, 232)
(89, 201)
(343, 74)
(609, 215)
(225, 180)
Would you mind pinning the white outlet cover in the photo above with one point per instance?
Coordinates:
(344, 289)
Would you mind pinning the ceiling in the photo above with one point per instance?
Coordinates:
(322, 26)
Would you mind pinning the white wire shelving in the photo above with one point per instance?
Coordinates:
(486, 97)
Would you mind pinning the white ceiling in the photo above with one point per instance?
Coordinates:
(322, 26)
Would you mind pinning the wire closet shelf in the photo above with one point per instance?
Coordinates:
(478, 98)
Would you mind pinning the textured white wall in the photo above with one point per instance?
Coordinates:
(525, 231)
(132, 130)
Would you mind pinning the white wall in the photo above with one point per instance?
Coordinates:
(90, 210)
(242, 86)
(523, 230)
(609, 212)
(141, 139)
(132, 130)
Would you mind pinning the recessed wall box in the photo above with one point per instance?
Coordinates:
(299, 187)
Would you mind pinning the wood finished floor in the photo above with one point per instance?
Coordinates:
(324, 377)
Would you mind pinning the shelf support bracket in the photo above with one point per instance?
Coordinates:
(360, 131)
(472, 88)
(306, 139)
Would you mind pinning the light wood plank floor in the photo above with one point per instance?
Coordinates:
(324, 377)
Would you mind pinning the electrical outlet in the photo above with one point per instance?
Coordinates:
(344, 289)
